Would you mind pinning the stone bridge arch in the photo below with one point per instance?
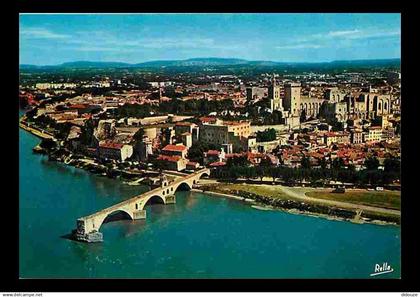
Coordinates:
(113, 213)
(153, 198)
(204, 174)
(185, 185)
(95, 223)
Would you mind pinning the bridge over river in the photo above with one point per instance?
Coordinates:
(88, 226)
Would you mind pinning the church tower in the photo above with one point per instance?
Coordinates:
(160, 93)
(292, 98)
(274, 95)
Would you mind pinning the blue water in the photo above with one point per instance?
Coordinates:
(199, 237)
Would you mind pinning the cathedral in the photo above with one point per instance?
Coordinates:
(355, 106)
(293, 104)
(337, 104)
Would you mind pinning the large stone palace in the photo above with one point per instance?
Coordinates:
(293, 103)
(336, 105)
(355, 106)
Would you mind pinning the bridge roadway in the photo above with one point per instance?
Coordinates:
(88, 226)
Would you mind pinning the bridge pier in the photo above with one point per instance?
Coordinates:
(81, 234)
(139, 214)
(171, 199)
(94, 236)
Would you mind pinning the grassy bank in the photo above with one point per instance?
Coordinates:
(266, 191)
(374, 205)
(385, 199)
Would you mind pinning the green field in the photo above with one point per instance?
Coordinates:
(386, 199)
(266, 191)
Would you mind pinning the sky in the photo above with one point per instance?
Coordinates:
(49, 39)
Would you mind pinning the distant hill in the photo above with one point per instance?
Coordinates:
(30, 66)
(194, 62)
(203, 62)
(89, 64)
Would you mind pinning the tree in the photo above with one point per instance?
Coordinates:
(392, 165)
(371, 163)
(138, 136)
(45, 121)
(250, 172)
(323, 163)
(197, 150)
(30, 114)
(337, 163)
(305, 163)
(48, 144)
(261, 171)
(265, 162)
(63, 130)
(266, 135)
(238, 161)
(232, 172)
(337, 126)
(274, 118)
(277, 117)
(351, 167)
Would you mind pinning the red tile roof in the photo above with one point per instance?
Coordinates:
(184, 124)
(111, 145)
(169, 158)
(227, 156)
(208, 119)
(66, 117)
(213, 153)
(235, 123)
(78, 106)
(217, 164)
(174, 148)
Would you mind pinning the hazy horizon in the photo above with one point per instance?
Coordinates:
(193, 58)
(53, 39)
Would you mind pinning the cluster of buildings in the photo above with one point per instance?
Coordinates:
(351, 154)
(369, 119)
(67, 85)
(336, 104)
(215, 158)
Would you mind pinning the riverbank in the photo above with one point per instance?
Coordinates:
(331, 211)
(34, 130)
(71, 159)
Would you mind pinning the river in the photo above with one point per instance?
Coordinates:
(200, 236)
